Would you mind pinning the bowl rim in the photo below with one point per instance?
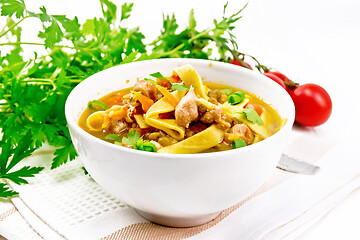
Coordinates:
(74, 125)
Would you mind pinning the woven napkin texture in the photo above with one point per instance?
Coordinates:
(67, 204)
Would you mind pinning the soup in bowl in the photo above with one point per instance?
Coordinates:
(180, 148)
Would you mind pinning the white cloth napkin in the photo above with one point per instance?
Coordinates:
(66, 204)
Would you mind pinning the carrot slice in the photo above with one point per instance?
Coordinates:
(256, 107)
(146, 102)
(171, 79)
(115, 99)
(168, 95)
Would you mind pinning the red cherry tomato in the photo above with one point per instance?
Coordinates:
(313, 104)
(275, 78)
(236, 62)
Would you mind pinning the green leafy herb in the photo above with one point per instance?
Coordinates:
(238, 143)
(5, 191)
(252, 116)
(226, 91)
(179, 87)
(236, 98)
(33, 91)
(112, 137)
(92, 105)
(132, 138)
(158, 75)
(11, 155)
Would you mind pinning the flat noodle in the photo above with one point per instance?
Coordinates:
(201, 141)
(141, 121)
(230, 110)
(95, 121)
(191, 78)
(167, 125)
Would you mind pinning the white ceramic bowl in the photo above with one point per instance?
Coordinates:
(185, 189)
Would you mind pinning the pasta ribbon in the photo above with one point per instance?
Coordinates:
(206, 139)
(167, 125)
(95, 121)
(139, 118)
(191, 78)
(230, 110)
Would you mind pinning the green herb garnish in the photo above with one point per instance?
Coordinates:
(132, 138)
(179, 87)
(238, 143)
(33, 90)
(158, 75)
(112, 137)
(95, 104)
(252, 116)
(148, 147)
(236, 98)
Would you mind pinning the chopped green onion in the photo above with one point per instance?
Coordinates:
(148, 147)
(138, 144)
(112, 137)
(226, 91)
(238, 143)
(236, 98)
(145, 146)
(91, 105)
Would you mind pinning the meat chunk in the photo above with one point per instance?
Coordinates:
(116, 118)
(146, 88)
(216, 115)
(217, 96)
(241, 131)
(187, 110)
(118, 127)
(213, 115)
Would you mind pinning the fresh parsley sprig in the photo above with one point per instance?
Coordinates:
(11, 155)
(135, 140)
(33, 91)
(252, 116)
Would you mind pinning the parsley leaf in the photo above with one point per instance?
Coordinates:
(112, 137)
(126, 10)
(62, 155)
(159, 75)
(33, 91)
(18, 176)
(179, 87)
(132, 138)
(6, 192)
(11, 155)
(252, 116)
(12, 7)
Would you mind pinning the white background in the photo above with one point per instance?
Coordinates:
(313, 41)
